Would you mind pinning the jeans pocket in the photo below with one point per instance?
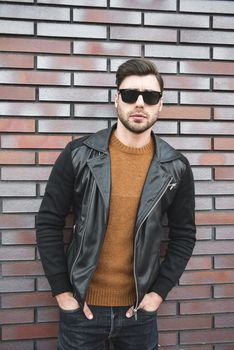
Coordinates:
(71, 311)
(146, 312)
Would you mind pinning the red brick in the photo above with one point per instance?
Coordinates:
(17, 125)
(189, 292)
(106, 16)
(17, 253)
(72, 30)
(19, 157)
(207, 306)
(46, 344)
(224, 232)
(17, 93)
(224, 262)
(26, 173)
(183, 82)
(224, 203)
(35, 12)
(207, 6)
(72, 63)
(199, 263)
(223, 113)
(21, 205)
(94, 79)
(27, 300)
(167, 309)
(196, 67)
(219, 128)
(175, 51)
(207, 37)
(184, 112)
(224, 291)
(222, 321)
(106, 48)
(34, 78)
(184, 322)
(18, 237)
(35, 141)
(143, 34)
(215, 218)
(224, 84)
(189, 143)
(16, 285)
(226, 173)
(166, 339)
(224, 347)
(73, 94)
(223, 53)
(208, 158)
(15, 316)
(47, 158)
(71, 126)
(17, 189)
(194, 347)
(47, 314)
(8, 60)
(35, 109)
(16, 27)
(34, 45)
(23, 268)
(149, 5)
(207, 98)
(207, 277)
(17, 345)
(224, 143)
(211, 336)
(29, 331)
(16, 221)
(213, 247)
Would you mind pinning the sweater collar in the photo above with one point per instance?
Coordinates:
(100, 142)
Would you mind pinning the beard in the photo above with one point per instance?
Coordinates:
(136, 126)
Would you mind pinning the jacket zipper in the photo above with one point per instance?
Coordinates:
(82, 238)
(168, 184)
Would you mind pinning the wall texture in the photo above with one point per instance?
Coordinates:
(58, 61)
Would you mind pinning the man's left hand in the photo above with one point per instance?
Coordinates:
(150, 302)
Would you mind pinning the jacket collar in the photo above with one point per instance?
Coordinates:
(100, 142)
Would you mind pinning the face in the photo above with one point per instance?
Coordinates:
(138, 117)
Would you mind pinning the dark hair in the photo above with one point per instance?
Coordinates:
(138, 66)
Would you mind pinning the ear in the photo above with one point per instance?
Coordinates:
(161, 104)
(116, 99)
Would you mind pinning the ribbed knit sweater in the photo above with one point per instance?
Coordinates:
(113, 282)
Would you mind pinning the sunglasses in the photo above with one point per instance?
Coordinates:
(150, 97)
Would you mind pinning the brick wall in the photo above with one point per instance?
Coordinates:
(58, 61)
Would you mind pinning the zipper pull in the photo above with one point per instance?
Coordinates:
(135, 314)
(171, 186)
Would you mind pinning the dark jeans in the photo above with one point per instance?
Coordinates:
(109, 325)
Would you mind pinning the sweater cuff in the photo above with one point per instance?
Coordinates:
(162, 286)
(60, 284)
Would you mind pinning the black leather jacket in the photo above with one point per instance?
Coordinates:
(81, 176)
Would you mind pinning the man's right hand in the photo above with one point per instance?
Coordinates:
(67, 302)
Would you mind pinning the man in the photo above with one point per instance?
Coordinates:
(120, 182)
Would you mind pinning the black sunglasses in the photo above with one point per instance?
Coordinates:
(150, 97)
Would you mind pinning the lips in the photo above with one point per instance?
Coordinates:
(138, 116)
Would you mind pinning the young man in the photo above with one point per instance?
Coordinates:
(120, 182)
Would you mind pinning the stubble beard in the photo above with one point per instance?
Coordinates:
(136, 127)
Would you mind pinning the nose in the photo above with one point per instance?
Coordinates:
(140, 101)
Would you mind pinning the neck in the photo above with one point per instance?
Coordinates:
(130, 138)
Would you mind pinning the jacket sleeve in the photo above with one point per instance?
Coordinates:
(50, 222)
(182, 235)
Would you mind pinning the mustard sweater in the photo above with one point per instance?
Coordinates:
(113, 282)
